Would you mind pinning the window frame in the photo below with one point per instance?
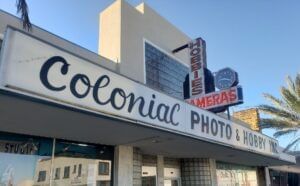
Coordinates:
(74, 169)
(57, 173)
(79, 170)
(66, 176)
(107, 168)
(42, 178)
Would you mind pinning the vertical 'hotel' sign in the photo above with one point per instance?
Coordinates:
(198, 63)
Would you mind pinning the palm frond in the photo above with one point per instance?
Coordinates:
(297, 85)
(289, 146)
(22, 8)
(284, 132)
(278, 112)
(290, 84)
(276, 102)
(274, 123)
(291, 99)
(285, 112)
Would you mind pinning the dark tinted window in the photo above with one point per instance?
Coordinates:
(74, 169)
(163, 72)
(57, 173)
(42, 176)
(67, 172)
(103, 168)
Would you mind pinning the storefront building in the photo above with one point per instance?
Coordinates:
(72, 117)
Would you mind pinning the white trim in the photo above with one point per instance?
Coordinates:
(1, 36)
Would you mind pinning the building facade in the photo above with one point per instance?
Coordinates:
(72, 117)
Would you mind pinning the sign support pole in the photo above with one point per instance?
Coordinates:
(228, 113)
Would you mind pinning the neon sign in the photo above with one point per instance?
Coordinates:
(200, 83)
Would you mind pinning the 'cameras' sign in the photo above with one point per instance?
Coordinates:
(201, 85)
(225, 97)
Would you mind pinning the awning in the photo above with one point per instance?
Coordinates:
(27, 115)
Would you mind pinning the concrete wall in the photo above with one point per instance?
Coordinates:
(135, 26)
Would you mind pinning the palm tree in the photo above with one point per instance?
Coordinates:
(22, 8)
(285, 112)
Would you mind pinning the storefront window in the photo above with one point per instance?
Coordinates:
(27, 161)
(19, 156)
(169, 182)
(83, 164)
(235, 175)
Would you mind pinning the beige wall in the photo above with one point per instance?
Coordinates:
(123, 30)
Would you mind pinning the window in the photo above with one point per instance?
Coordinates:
(148, 180)
(74, 169)
(79, 162)
(239, 174)
(163, 72)
(67, 172)
(103, 168)
(57, 174)
(79, 170)
(24, 157)
(42, 176)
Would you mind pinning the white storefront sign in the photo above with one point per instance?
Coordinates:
(38, 69)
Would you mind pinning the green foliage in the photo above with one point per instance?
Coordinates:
(284, 113)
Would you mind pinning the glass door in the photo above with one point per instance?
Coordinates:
(172, 182)
(148, 176)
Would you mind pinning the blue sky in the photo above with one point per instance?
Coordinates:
(258, 38)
